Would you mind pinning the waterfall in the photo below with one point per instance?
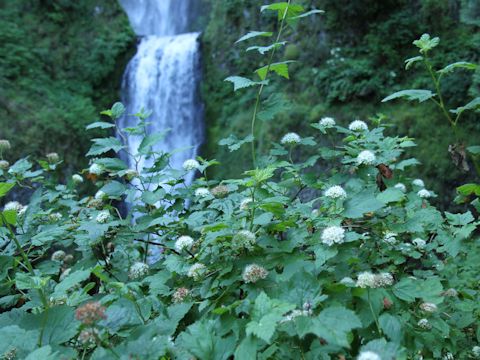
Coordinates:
(163, 78)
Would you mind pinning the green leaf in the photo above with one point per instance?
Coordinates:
(253, 34)
(411, 95)
(472, 105)
(411, 61)
(104, 145)
(457, 65)
(308, 13)
(263, 49)
(247, 349)
(43, 353)
(10, 217)
(425, 43)
(265, 315)
(100, 124)
(116, 111)
(150, 140)
(362, 203)
(242, 82)
(233, 143)
(71, 281)
(391, 195)
(469, 189)
(202, 341)
(114, 189)
(281, 68)
(13, 337)
(408, 289)
(391, 326)
(474, 150)
(5, 188)
(290, 11)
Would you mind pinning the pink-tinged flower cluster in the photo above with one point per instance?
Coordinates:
(90, 313)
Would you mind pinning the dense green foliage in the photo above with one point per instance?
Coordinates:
(349, 59)
(58, 61)
(362, 267)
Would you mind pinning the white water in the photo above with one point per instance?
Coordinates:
(163, 77)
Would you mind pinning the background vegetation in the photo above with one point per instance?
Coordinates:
(349, 59)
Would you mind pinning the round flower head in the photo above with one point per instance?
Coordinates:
(90, 313)
(77, 179)
(244, 203)
(366, 157)
(13, 205)
(58, 255)
(102, 217)
(100, 195)
(366, 280)
(4, 145)
(180, 295)
(327, 122)
(202, 192)
(244, 239)
(424, 324)
(450, 293)
(383, 279)
(290, 139)
(336, 192)
(428, 307)
(418, 182)
(347, 281)
(253, 272)
(196, 271)
(419, 243)
(4, 164)
(190, 164)
(476, 352)
(138, 270)
(424, 193)
(390, 238)
(95, 169)
(52, 157)
(401, 187)
(358, 125)
(220, 191)
(88, 336)
(333, 235)
(368, 355)
(183, 242)
(55, 216)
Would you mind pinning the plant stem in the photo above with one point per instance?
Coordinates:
(257, 100)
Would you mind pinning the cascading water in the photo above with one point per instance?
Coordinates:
(163, 77)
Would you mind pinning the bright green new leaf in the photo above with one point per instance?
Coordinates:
(281, 68)
(425, 43)
(242, 82)
(457, 65)
(472, 105)
(100, 124)
(5, 188)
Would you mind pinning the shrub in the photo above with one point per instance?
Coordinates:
(248, 267)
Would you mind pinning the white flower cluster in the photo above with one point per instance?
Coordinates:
(401, 187)
(220, 191)
(15, 206)
(196, 271)
(138, 270)
(336, 192)
(366, 157)
(390, 238)
(4, 145)
(4, 164)
(450, 293)
(183, 242)
(368, 355)
(294, 314)
(77, 179)
(202, 192)
(327, 122)
(58, 255)
(369, 280)
(245, 203)
(424, 324)
(290, 139)
(95, 169)
(253, 272)
(428, 307)
(333, 235)
(56, 216)
(102, 217)
(190, 164)
(358, 125)
(88, 336)
(180, 295)
(424, 193)
(419, 243)
(476, 352)
(418, 182)
(52, 157)
(244, 239)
